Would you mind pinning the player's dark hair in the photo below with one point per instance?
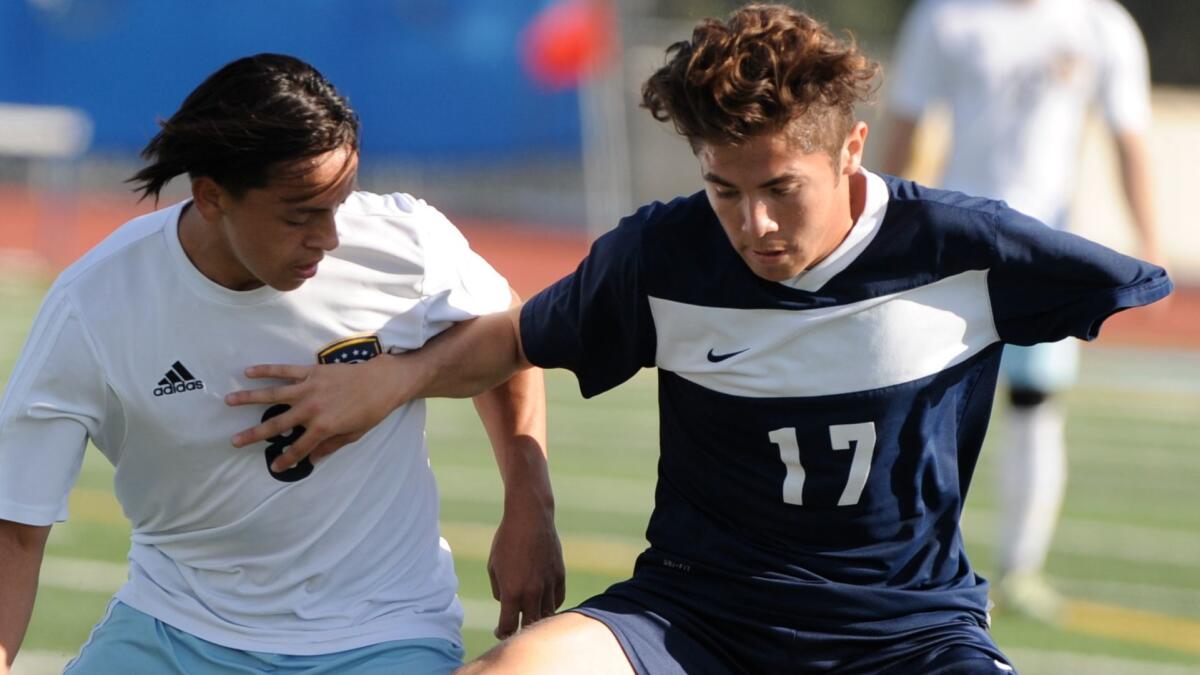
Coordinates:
(765, 69)
(249, 117)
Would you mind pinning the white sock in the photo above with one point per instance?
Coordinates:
(1033, 477)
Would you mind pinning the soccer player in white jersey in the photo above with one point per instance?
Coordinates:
(827, 343)
(238, 565)
(1020, 77)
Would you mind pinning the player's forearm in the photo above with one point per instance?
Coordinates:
(525, 565)
(514, 415)
(470, 358)
(1136, 182)
(21, 548)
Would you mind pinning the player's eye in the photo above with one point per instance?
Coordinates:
(725, 194)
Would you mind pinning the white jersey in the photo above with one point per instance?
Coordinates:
(1019, 77)
(134, 348)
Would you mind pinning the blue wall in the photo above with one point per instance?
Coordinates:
(435, 80)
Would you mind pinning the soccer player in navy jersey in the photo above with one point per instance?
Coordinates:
(827, 343)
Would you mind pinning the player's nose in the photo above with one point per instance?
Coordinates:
(325, 235)
(757, 220)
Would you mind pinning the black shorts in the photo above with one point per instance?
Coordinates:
(663, 635)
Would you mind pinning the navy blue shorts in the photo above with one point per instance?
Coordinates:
(663, 635)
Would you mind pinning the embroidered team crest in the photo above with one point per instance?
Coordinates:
(351, 350)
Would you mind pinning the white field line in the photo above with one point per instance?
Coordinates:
(40, 662)
(1144, 408)
(1171, 466)
(1124, 384)
(76, 574)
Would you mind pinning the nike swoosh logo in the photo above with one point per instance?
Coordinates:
(717, 358)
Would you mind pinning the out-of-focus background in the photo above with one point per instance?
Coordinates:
(520, 120)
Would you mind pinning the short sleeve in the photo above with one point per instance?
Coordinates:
(1125, 77)
(1045, 284)
(458, 283)
(55, 400)
(916, 64)
(595, 322)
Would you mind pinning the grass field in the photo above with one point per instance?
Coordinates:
(1127, 553)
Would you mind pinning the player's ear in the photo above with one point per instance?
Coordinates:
(852, 149)
(209, 198)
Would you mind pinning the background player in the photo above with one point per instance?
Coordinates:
(1019, 108)
(237, 565)
(827, 343)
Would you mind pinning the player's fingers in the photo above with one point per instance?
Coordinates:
(267, 395)
(331, 445)
(275, 426)
(547, 605)
(531, 608)
(495, 582)
(547, 602)
(507, 625)
(294, 453)
(560, 592)
(279, 371)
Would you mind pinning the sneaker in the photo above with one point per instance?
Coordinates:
(1028, 594)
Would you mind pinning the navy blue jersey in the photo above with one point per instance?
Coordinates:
(818, 436)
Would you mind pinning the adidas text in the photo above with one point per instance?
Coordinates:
(178, 387)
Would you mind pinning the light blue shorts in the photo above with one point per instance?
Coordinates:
(129, 642)
(1049, 367)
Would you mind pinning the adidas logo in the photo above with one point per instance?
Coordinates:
(177, 380)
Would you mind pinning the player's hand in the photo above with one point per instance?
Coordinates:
(335, 403)
(526, 563)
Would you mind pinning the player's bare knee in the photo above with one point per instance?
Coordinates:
(511, 657)
(566, 644)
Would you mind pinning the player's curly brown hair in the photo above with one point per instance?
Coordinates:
(765, 69)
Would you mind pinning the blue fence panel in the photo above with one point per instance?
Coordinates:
(434, 80)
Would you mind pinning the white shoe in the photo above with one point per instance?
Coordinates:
(1028, 594)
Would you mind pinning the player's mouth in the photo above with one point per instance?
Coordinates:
(768, 255)
(307, 271)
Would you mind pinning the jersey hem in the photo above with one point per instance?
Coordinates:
(25, 515)
(305, 644)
